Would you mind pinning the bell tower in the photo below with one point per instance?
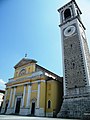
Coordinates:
(76, 62)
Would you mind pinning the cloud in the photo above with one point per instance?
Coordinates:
(2, 84)
(1, 81)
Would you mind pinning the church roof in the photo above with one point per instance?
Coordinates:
(24, 61)
(50, 73)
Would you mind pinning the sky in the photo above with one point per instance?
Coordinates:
(31, 26)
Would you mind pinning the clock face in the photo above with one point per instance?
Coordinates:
(69, 30)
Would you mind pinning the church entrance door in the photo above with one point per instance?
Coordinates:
(33, 108)
(18, 105)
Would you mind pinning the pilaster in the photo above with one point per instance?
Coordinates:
(38, 95)
(9, 110)
(28, 96)
(10, 98)
(13, 97)
(23, 96)
(22, 108)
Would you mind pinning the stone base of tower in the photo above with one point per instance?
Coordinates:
(75, 107)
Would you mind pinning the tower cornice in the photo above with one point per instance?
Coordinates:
(76, 17)
(68, 4)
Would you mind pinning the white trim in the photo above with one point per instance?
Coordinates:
(34, 74)
(10, 98)
(38, 95)
(49, 75)
(24, 91)
(67, 7)
(70, 36)
(25, 83)
(28, 96)
(72, 27)
(74, 9)
(13, 97)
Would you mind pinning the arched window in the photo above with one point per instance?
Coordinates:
(67, 14)
(22, 72)
(49, 104)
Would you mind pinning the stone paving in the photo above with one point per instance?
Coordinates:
(15, 117)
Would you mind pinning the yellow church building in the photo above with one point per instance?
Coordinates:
(33, 90)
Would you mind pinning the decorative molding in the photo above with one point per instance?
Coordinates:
(35, 74)
(26, 83)
(24, 62)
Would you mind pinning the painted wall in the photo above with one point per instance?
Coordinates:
(54, 94)
(30, 68)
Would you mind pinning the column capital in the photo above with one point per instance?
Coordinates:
(25, 85)
(30, 83)
(39, 81)
(13, 87)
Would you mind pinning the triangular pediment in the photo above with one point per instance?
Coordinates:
(24, 61)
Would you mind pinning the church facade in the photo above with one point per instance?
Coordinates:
(33, 90)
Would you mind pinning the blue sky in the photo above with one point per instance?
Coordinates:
(31, 26)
